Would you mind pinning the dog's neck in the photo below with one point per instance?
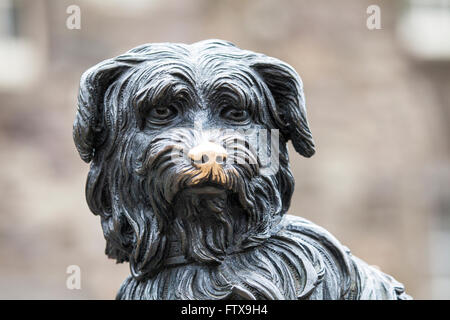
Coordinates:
(176, 256)
(298, 261)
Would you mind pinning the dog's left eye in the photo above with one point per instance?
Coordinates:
(234, 114)
(159, 114)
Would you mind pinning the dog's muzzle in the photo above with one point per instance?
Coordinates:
(185, 160)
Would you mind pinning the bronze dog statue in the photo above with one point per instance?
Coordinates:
(176, 135)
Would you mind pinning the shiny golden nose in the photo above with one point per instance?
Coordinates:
(207, 154)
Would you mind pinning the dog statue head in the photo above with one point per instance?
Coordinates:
(190, 176)
(173, 133)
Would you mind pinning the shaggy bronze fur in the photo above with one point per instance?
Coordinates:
(215, 233)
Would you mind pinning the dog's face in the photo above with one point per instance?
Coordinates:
(176, 134)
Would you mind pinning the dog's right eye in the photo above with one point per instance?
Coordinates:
(234, 114)
(162, 114)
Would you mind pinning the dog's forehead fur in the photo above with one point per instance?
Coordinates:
(205, 65)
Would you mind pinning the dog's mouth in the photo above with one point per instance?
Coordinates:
(208, 188)
(205, 198)
(195, 194)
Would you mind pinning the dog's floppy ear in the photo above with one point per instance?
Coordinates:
(88, 128)
(287, 91)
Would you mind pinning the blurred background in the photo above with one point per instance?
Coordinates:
(378, 103)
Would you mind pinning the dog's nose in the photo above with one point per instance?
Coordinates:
(207, 154)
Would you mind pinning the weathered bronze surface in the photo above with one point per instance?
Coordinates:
(175, 137)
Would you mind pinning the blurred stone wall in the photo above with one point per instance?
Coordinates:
(379, 120)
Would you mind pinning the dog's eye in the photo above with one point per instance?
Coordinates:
(163, 113)
(234, 114)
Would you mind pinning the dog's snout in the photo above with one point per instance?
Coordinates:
(207, 154)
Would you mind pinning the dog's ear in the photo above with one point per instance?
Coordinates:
(88, 128)
(286, 88)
